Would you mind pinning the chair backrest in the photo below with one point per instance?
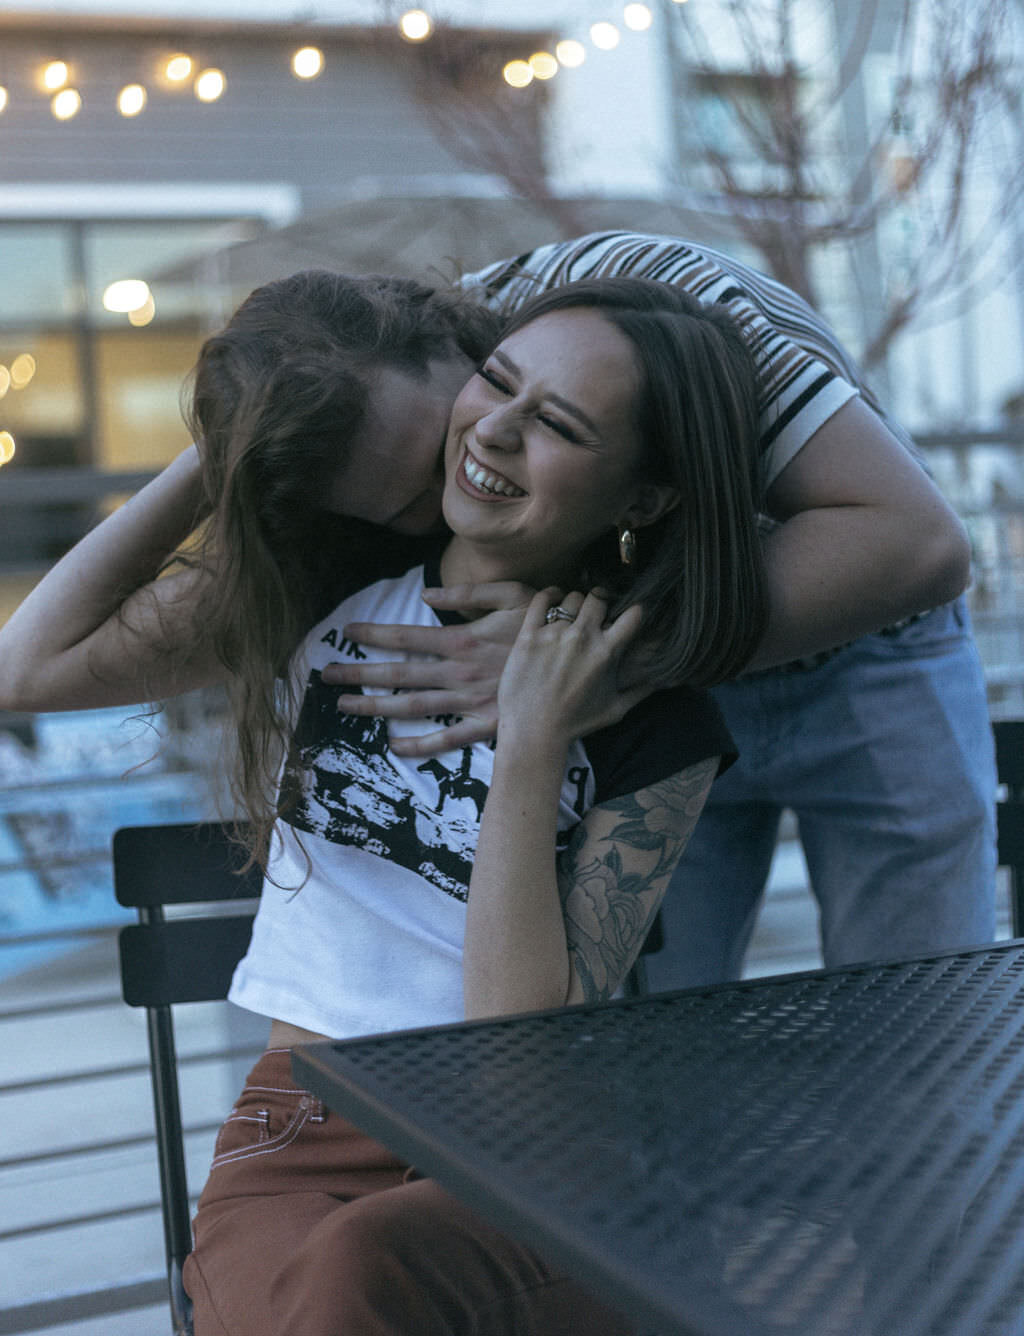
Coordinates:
(1009, 735)
(164, 961)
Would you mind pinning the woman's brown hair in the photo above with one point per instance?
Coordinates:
(699, 571)
(279, 392)
(274, 399)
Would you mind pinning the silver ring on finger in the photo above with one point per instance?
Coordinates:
(558, 614)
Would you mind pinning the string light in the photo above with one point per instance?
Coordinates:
(637, 17)
(178, 68)
(131, 99)
(144, 314)
(517, 73)
(605, 36)
(543, 64)
(23, 368)
(66, 103)
(7, 447)
(571, 53)
(126, 295)
(415, 25)
(54, 75)
(308, 62)
(210, 85)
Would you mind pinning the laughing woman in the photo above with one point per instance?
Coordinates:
(605, 443)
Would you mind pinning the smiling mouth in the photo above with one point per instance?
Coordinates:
(485, 480)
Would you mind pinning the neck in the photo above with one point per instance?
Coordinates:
(467, 563)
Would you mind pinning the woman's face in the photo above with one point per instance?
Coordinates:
(394, 470)
(542, 456)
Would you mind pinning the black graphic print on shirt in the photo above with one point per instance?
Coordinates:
(341, 783)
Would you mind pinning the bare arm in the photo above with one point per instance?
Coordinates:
(99, 629)
(866, 539)
(541, 932)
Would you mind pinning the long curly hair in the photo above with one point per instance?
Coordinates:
(272, 401)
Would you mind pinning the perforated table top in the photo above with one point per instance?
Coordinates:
(830, 1154)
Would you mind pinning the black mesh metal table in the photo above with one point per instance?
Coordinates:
(830, 1154)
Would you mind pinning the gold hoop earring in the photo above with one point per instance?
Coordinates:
(627, 545)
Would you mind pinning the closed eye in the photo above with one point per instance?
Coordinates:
(498, 381)
(492, 378)
(557, 426)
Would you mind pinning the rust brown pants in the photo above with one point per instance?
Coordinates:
(306, 1227)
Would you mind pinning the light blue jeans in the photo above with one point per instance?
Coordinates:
(885, 755)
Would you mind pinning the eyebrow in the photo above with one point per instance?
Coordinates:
(563, 404)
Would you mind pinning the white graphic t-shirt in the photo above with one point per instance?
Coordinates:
(362, 915)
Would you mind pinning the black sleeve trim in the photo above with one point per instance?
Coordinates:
(667, 732)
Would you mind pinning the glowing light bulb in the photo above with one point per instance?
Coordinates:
(210, 85)
(144, 314)
(126, 294)
(637, 17)
(66, 103)
(543, 64)
(307, 62)
(131, 99)
(7, 447)
(23, 368)
(517, 73)
(571, 53)
(605, 36)
(55, 75)
(178, 68)
(415, 25)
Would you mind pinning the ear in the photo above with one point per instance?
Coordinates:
(652, 500)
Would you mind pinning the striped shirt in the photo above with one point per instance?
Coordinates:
(805, 374)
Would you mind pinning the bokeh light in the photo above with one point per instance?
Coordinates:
(178, 67)
(543, 64)
(307, 62)
(637, 17)
(210, 85)
(571, 53)
(131, 99)
(7, 447)
(5, 380)
(415, 25)
(517, 73)
(605, 36)
(4, 97)
(55, 75)
(126, 294)
(143, 314)
(23, 368)
(66, 103)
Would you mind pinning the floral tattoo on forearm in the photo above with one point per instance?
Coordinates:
(611, 883)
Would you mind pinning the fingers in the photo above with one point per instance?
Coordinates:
(411, 639)
(479, 729)
(504, 594)
(397, 675)
(414, 704)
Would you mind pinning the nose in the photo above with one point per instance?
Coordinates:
(500, 429)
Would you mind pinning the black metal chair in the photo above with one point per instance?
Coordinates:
(1009, 734)
(180, 959)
